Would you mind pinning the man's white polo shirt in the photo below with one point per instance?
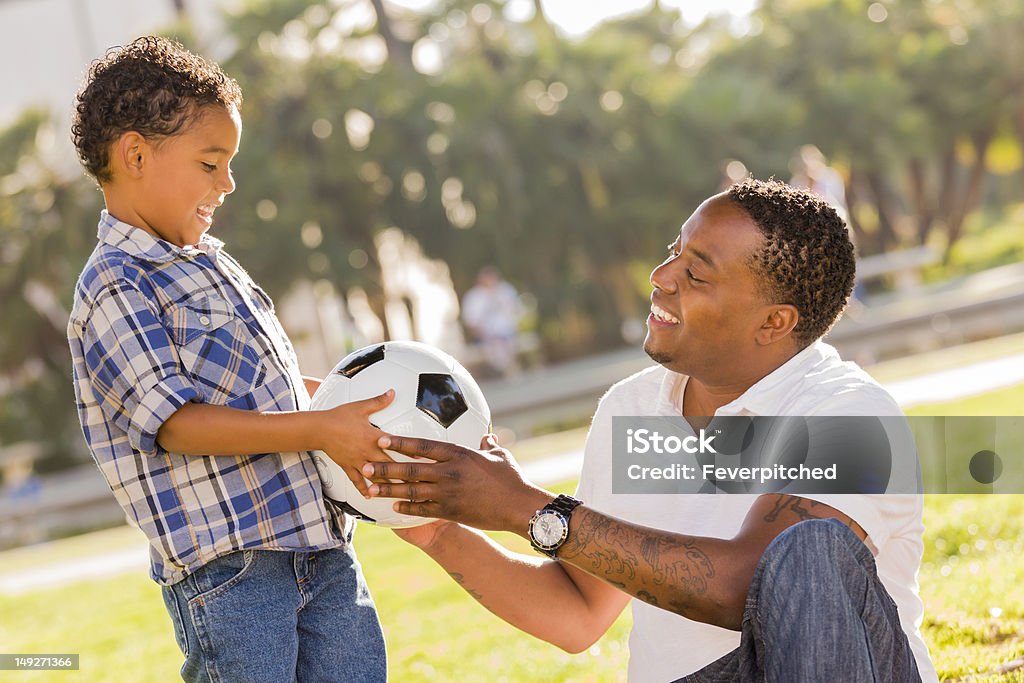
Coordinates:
(664, 646)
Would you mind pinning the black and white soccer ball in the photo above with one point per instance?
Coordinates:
(435, 398)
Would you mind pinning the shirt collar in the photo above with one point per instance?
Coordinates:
(140, 244)
(769, 393)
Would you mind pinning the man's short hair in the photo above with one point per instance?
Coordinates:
(152, 86)
(807, 259)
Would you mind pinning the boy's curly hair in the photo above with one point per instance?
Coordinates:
(152, 86)
(807, 259)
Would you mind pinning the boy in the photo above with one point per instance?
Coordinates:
(190, 396)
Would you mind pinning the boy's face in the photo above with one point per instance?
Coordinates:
(187, 176)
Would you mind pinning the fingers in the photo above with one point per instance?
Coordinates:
(421, 508)
(357, 480)
(413, 491)
(375, 403)
(488, 442)
(438, 451)
(404, 471)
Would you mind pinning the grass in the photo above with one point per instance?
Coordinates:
(971, 580)
(433, 629)
(972, 584)
(1006, 401)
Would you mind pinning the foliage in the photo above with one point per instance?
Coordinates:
(44, 239)
(566, 163)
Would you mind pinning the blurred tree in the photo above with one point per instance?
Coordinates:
(906, 97)
(44, 240)
(566, 163)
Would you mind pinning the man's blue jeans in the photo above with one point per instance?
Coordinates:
(275, 616)
(816, 611)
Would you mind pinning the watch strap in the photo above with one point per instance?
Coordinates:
(564, 504)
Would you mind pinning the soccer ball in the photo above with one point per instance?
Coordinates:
(435, 398)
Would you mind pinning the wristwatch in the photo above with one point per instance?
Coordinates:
(549, 526)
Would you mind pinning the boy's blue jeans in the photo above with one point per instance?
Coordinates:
(274, 616)
(816, 611)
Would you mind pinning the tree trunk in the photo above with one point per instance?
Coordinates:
(398, 49)
(883, 205)
(863, 241)
(947, 184)
(919, 197)
(972, 192)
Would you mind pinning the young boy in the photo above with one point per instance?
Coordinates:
(190, 395)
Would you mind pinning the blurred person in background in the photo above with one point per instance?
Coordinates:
(491, 312)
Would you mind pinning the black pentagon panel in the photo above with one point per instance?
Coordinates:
(362, 359)
(440, 397)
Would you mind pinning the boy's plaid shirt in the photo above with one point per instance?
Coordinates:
(155, 326)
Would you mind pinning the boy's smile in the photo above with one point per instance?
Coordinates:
(173, 185)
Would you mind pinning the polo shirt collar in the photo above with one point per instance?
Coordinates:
(138, 243)
(769, 393)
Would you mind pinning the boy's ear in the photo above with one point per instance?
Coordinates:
(130, 154)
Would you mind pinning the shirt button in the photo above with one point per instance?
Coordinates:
(203, 320)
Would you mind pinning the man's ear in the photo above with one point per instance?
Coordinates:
(130, 154)
(778, 323)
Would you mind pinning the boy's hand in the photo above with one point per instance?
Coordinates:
(350, 440)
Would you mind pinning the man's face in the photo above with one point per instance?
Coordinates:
(188, 176)
(706, 306)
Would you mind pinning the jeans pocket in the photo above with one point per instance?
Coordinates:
(219, 576)
(177, 618)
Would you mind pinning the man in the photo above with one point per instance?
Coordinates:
(491, 311)
(747, 592)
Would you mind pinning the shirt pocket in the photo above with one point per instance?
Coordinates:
(216, 348)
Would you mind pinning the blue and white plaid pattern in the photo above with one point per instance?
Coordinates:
(153, 327)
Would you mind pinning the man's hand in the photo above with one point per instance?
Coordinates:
(425, 535)
(484, 489)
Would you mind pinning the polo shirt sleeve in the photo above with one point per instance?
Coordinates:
(880, 515)
(133, 365)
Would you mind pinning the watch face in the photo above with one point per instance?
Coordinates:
(549, 529)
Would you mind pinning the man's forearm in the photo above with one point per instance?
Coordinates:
(534, 595)
(697, 577)
(203, 429)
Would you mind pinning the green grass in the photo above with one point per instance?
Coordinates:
(1006, 401)
(434, 630)
(971, 582)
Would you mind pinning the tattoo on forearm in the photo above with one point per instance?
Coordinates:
(640, 562)
(605, 549)
(461, 580)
